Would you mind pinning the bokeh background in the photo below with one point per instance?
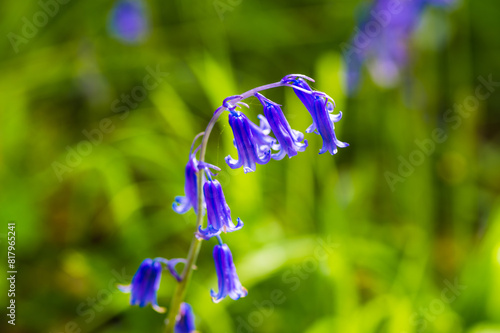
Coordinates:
(88, 213)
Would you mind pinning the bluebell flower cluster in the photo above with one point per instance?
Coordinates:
(184, 322)
(255, 144)
(382, 40)
(128, 21)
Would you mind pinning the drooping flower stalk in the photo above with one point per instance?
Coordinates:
(254, 145)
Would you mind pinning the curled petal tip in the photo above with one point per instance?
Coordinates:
(158, 309)
(291, 76)
(226, 102)
(124, 289)
(243, 104)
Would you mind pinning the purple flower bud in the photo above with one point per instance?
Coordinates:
(229, 284)
(289, 140)
(184, 322)
(218, 212)
(145, 284)
(128, 21)
(251, 141)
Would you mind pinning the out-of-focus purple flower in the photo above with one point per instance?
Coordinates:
(251, 141)
(320, 108)
(183, 203)
(381, 40)
(184, 322)
(128, 21)
(218, 212)
(289, 140)
(145, 284)
(229, 283)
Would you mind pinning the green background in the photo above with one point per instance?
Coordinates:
(395, 250)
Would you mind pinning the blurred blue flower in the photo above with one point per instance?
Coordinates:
(251, 141)
(128, 21)
(183, 203)
(320, 108)
(289, 140)
(382, 40)
(218, 212)
(145, 284)
(184, 322)
(229, 284)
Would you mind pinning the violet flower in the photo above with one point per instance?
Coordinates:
(218, 212)
(182, 204)
(289, 140)
(320, 108)
(146, 281)
(145, 284)
(381, 40)
(229, 283)
(184, 322)
(251, 141)
(128, 21)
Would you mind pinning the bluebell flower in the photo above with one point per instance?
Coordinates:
(145, 284)
(128, 21)
(251, 141)
(218, 212)
(289, 140)
(182, 204)
(320, 108)
(323, 124)
(229, 284)
(382, 40)
(184, 323)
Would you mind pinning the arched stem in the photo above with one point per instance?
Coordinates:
(194, 249)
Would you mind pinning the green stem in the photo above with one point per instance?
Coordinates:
(195, 247)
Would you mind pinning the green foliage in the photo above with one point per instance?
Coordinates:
(328, 244)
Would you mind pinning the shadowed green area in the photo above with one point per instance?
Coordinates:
(329, 243)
